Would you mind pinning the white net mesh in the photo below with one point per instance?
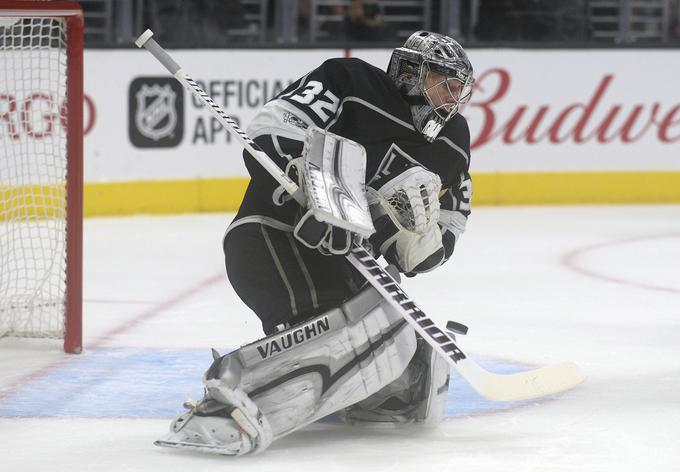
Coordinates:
(32, 176)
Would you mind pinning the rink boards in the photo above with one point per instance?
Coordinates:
(547, 126)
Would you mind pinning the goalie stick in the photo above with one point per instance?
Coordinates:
(501, 387)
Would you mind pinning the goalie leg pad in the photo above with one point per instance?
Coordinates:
(417, 396)
(300, 375)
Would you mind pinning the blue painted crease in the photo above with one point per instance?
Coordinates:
(153, 383)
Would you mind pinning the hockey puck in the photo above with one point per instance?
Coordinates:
(455, 327)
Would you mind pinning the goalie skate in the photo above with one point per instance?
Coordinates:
(231, 442)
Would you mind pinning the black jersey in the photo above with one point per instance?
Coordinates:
(358, 101)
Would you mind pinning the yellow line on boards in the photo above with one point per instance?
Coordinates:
(164, 196)
(225, 194)
(573, 188)
(488, 189)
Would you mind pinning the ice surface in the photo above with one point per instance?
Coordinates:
(599, 286)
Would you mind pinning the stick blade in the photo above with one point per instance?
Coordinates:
(536, 383)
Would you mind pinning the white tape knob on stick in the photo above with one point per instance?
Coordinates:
(143, 38)
(145, 41)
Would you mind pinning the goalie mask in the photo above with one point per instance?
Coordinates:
(435, 76)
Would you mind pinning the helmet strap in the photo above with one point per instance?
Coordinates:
(415, 100)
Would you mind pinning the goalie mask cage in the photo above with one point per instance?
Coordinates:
(41, 172)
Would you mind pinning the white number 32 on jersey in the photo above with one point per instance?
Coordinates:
(321, 101)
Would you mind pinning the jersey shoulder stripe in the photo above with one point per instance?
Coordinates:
(457, 148)
(370, 106)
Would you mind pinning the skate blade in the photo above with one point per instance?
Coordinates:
(195, 447)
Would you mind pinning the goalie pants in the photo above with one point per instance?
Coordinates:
(281, 280)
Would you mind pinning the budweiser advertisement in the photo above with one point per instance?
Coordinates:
(572, 110)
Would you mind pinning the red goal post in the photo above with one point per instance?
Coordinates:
(41, 170)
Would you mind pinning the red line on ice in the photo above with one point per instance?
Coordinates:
(570, 260)
(154, 311)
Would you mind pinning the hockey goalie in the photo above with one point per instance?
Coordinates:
(383, 159)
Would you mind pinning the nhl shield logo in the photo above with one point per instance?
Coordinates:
(156, 116)
(156, 112)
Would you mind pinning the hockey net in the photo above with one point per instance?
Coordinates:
(41, 170)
